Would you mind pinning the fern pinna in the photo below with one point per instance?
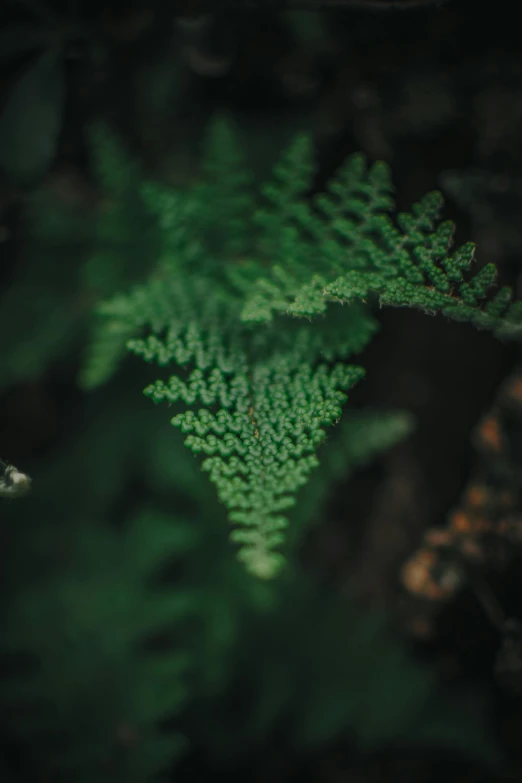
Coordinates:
(257, 388)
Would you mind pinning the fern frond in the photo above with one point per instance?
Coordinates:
(230, 266)
(93, 683)
(226, 191)
(78, 252)
(115, 170)
(259, 429)
(168, 301)
(291, 181)
(125, 245)
(358, 252)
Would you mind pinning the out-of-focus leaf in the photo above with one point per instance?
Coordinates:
(31, 119)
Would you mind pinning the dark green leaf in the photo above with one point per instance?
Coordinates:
(31, 119)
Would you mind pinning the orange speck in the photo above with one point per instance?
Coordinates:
(489, 433)
(460, 522)
(476, 496)
(417, 576)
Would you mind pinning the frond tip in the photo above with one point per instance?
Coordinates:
(359, 252)
(260, 445)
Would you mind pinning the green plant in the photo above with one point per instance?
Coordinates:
(232, 265)
(94, 675)
(138, 628)
(134, 641)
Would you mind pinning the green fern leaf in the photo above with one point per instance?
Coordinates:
(260, 443)
(229, 265)
(358, 252)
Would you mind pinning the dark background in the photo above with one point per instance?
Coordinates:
(436, 91)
